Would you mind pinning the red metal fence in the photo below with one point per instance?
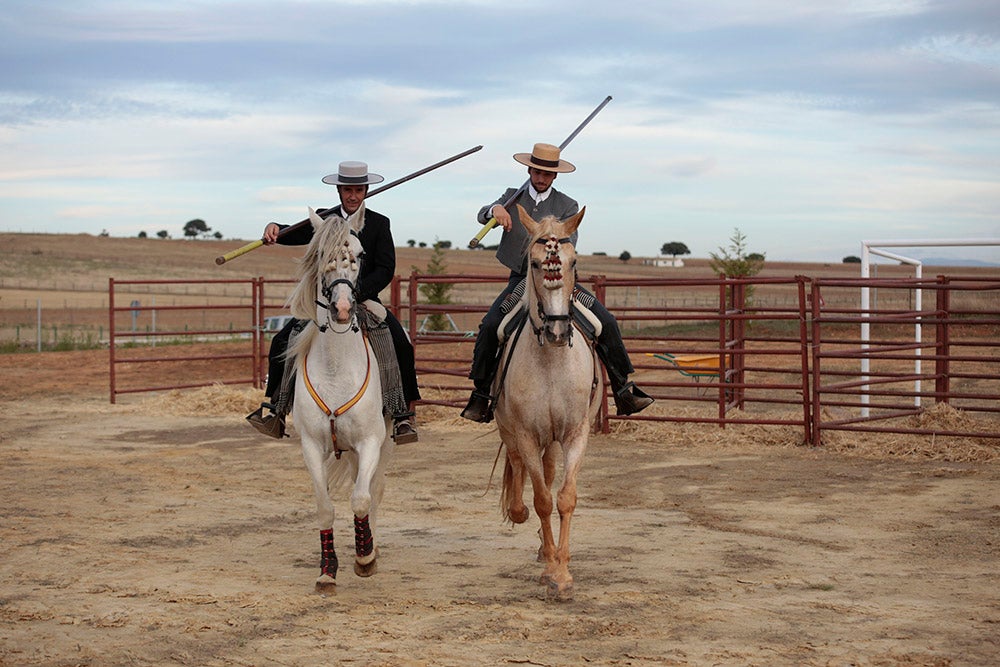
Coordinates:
(798, 352)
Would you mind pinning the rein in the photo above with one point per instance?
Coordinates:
(333, 414)
(327, 292)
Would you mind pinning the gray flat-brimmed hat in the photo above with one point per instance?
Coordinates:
(546, 158)
(352, 173)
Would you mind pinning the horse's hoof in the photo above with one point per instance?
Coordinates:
(326, 585)
(367, 566)
(365, 569)
(556, 590)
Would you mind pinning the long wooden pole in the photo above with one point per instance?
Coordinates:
(492, 222)
(253, 245)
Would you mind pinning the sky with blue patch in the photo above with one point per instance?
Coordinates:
(808, 125)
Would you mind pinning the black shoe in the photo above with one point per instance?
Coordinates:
(271, 424)
(403, 431)
(478, 409)
(630, 400)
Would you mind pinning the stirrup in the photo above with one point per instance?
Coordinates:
(403, 431)
(630, 399)
(478, 409)
(272, 425)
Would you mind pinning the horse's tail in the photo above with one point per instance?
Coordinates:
(507, 490)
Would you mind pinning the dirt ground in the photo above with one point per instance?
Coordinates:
(164, 531)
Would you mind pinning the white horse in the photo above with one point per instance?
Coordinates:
(338, 404)
(551, 393)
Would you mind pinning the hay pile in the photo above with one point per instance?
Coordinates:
(940, 417)
(217, 400)
(222, 400)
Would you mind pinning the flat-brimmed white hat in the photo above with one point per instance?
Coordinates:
(352, 173)
(546, 158)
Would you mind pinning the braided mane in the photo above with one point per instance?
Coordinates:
(328, 238)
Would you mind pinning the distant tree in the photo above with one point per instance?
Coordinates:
(142, 235)
(625, 256)
(600, 253)
(734, 261)
(411, 243)
(674, 248)
(163, 234)
(442, 244)
(195, 227)
(422, 244)
(104, 233)
(851, 259)
(437, 293)
(217, 235)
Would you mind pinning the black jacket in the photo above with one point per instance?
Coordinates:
(379, 263)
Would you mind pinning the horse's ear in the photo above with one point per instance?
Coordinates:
(314, 218)
(527, 221)
(570, 224)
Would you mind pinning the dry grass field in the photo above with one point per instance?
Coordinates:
(66, 277)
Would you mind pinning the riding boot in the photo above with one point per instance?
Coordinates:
(629, 399)
(485, 360)
(486, 353)
(483, 370)
(478, 408)
(280, 385)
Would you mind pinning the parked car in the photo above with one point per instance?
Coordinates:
(276, 323)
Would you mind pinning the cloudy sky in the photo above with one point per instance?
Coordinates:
(809, 125)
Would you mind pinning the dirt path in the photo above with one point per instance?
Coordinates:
(135, 537)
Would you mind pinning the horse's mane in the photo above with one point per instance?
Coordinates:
(326, 240)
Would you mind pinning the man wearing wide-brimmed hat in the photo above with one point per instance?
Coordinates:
(540, 199)
(377, 270)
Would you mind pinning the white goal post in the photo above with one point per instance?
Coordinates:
(869, 248)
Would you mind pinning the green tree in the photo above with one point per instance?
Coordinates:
(674, 248)
(625, 256)
(163, 234)
(851, 259)
(734, 261)
(411, 243)
(437, 293)
(142, 235)
(195, 227)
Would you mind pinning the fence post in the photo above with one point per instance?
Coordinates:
(942, 370)
(804, 347)
(111, 336)
(411, 293)
(817, 339)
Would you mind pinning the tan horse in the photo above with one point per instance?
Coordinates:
(550, 396)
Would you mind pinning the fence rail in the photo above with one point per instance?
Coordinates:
(795, 352)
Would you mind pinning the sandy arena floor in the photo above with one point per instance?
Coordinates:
(152, 533)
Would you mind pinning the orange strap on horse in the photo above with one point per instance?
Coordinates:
(333, 414)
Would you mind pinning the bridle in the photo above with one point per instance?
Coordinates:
(552, 266)
(326, 290)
